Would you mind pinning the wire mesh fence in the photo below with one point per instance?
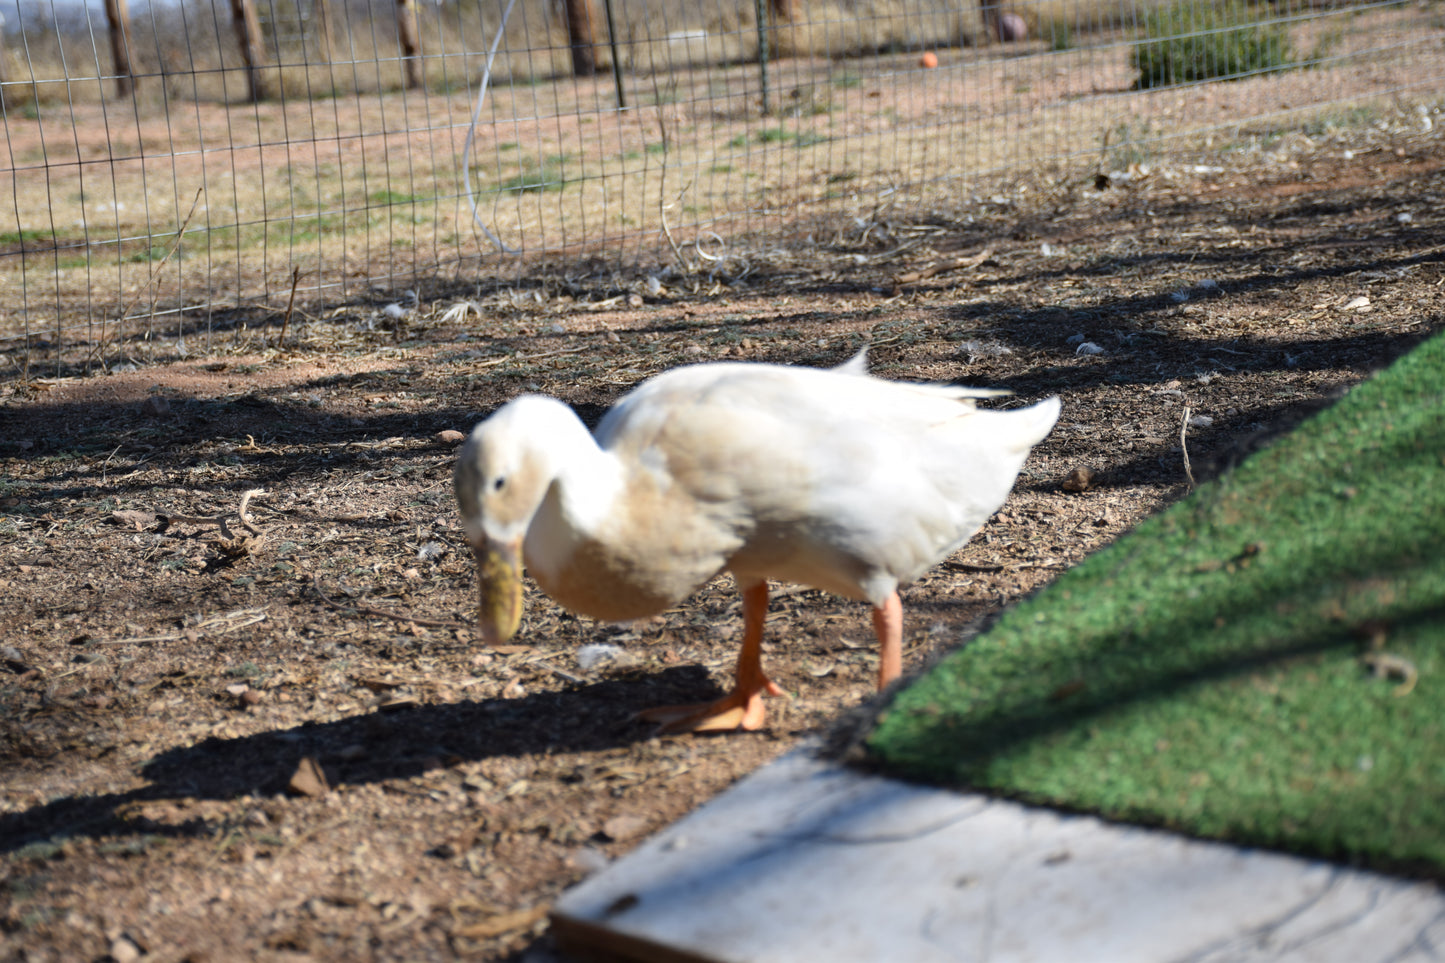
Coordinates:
(169, 164)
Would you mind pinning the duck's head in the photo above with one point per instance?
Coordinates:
(503, 472)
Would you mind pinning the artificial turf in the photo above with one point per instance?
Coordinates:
(1211, 672)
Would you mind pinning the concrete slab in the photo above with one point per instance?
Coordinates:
(808, 861)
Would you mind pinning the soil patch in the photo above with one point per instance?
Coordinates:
(285, 741)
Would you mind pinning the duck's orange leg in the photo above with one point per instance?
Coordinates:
(888, 624)
(741, 708)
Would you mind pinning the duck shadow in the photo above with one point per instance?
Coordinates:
(385, 745)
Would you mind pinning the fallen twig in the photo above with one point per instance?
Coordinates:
(941, 267)
(490, 362)
(382, 613)
(246, 617)
(167, 519)
(541, 660)
(502, 923)
(290, 305)
(1184, 446)
(228, 542)
(662, 212)
(971, 567)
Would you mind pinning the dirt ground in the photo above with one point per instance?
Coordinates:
(286, 742)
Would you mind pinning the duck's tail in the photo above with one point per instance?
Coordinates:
(1035, 422)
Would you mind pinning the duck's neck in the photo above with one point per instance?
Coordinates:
(586, 484)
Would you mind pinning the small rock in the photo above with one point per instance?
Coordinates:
(156, 407)
(590, 860)
(595, 654)
(135, 520)
(309, 780)
(1012, 28)
(983, 349)
(623, 828)
(1200, 421)
(122, 950)
(1078, 480)
(450, 436)
(634, 300)
(252, 697)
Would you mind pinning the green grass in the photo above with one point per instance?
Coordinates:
(546, 176)
(156, 252)
(390, 198)
(28, 237)
(1188, 42)
(1206, 673)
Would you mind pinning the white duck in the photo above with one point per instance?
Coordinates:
(829, 478)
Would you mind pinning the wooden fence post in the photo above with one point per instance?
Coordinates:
(760, 9)
(119, 19)
(612, 51)
(582, 34)
(410, 42)
(248, 34)
(321, 18)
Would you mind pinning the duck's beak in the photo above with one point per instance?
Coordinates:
(499, 572)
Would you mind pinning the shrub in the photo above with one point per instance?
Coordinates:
(1059, 33)
(1188, 42)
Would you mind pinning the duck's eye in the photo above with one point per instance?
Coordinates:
(499, 483)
